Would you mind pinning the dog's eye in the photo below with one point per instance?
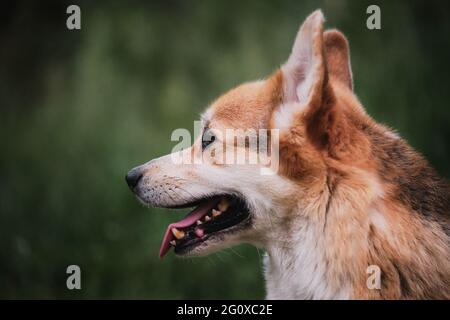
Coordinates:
(208, 137)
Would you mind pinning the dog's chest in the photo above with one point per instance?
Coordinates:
(300, 273)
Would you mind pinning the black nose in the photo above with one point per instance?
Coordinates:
(133, 177)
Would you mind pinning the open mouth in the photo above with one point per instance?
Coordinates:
(212, 216)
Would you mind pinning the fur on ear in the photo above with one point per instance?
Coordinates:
(309, 98)
(338, 57)
(304, 72)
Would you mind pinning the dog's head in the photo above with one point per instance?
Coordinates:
(301, 108)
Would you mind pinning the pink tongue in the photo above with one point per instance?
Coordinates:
(189, 220)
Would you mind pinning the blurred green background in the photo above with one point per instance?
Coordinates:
(80, 108)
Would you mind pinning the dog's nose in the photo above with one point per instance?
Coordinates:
(133, 177)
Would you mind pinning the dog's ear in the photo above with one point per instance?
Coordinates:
(308, 98)
(303, 75)
(304, 71)
(338, 57)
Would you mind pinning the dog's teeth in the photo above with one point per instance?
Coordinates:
(207, 218)
(177, 233)
(223, 205)
(199, 222)
(173, 243)
(216, 213)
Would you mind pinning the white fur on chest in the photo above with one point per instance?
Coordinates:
(298, 270)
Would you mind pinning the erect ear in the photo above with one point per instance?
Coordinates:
(304, 72)
(338, 57)
(303, 75)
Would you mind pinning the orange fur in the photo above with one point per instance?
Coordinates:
(348, 194)
(333, 149)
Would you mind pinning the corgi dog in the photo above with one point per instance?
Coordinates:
(349, 200)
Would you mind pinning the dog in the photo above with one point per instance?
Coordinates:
(350, 201)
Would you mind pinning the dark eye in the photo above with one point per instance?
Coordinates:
(208, 137)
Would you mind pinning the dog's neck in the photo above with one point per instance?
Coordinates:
(315, 254)
(298, 269)
(324, 247)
